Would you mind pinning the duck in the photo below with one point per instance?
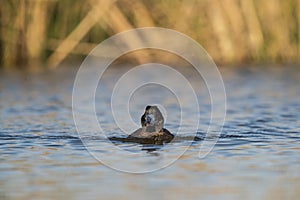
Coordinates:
(152, 129)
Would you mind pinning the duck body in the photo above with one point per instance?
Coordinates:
(161, 137)
(152, 131)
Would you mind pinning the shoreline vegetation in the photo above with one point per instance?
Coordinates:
(50, 32)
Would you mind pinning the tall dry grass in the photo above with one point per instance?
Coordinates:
(232, 31)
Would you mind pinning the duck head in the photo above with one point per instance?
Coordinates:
(152, 120)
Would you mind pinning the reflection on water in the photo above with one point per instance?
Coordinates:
(257, 155)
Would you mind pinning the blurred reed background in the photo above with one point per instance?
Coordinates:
(232, 31)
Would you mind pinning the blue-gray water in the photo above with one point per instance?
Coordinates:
(256, 157)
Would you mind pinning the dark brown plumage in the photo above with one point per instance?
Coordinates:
(152, 131)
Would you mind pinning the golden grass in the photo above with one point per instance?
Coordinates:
(232, 31)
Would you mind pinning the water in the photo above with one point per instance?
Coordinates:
(256, 157)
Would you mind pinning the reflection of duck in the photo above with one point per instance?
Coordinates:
(152, 131)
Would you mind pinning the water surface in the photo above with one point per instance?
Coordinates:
(256, 157)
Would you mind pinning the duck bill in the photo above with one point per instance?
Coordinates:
(149, 120)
